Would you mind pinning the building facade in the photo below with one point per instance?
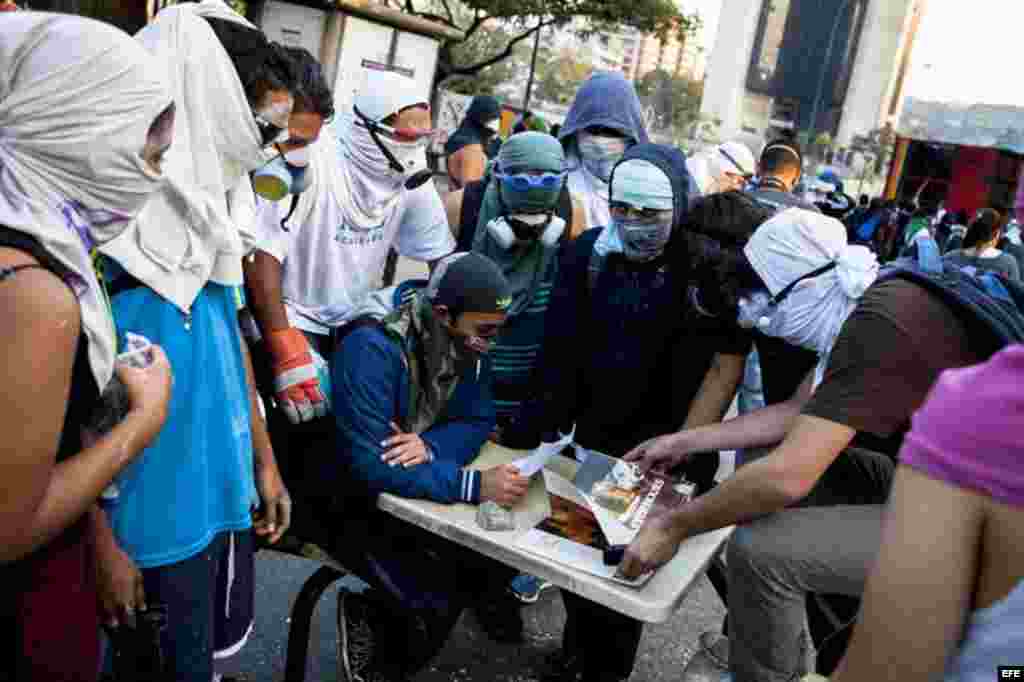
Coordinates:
(643, 54)
(808, 67)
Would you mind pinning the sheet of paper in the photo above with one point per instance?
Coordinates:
(536, 460)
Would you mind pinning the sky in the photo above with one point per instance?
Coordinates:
(967, 52)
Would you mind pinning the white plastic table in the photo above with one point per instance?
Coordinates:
(654, 602)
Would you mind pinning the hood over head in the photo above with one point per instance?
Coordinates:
(672, 162)
(482, 109)
(605, 99)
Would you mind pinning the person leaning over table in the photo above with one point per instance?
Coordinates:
(810, 511)
(412, 406)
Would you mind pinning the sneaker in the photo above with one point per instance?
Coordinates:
(356, 641)
(527, 588)
(716, 647)
(500, 618)
(562, 667)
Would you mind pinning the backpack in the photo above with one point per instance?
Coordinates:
(991, 303)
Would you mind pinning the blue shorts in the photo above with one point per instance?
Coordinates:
(209, 599)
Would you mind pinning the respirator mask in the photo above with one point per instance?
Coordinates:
(405, 149)
(285, 174)
(525, 227)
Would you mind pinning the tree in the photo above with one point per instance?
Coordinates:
(560, 76)
(523, 18)
(484, 43)
(674, 99)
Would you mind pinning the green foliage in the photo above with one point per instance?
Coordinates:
(520, 19)
(559, 76)
(675, 101)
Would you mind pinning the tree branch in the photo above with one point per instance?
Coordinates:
(448, 10)
(478, 21)
(504, 54)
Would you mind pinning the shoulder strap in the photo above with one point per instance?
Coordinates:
(23, 242)
(595, 264)
(564, 209)
(472, 200)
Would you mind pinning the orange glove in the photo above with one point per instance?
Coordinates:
(296, 383)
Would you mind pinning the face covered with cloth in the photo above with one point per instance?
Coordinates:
(797, 279)
(643, 211)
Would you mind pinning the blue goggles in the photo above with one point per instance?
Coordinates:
(522, 182)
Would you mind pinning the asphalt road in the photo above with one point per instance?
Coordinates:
(469, 655)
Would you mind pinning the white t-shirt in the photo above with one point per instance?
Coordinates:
(329, 266)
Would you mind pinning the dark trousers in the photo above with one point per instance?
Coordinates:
(421, 581)
(824, 546)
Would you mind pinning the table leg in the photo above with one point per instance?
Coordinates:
(302, 620)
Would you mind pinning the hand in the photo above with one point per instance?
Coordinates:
(149, 393)
(503, 485)
(119, 584)
(661, 453)
(407, 449)
(296, 382)
(653, 547)
(275, 513)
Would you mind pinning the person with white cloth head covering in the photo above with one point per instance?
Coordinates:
(809, 511)
(174, 278)
(806, 309)
(310, 270)
(85, 117)
(723, 168)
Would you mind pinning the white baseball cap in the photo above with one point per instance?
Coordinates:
(387, 92)
(735, 157)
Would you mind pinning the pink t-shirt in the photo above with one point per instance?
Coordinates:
(970, 431)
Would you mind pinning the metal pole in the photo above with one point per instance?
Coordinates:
(533, 66)
(824, 70)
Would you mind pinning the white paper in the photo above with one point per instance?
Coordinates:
(536, 460)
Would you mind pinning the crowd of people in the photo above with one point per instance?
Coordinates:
(199, 360)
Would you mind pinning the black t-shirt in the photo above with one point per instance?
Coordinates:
(885, 360)
(783, 367)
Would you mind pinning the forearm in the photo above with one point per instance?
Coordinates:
(759, 428)
(75, 484)
(755, 490)
(716, 391)
(263, 278)
(99, 528)
(263, 451)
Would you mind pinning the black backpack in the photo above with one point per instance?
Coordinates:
(991, 304)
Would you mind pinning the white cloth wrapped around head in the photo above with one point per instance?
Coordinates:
(77, 101)
(189, 232)
(794, 243)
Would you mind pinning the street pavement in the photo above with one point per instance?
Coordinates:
(469, 656)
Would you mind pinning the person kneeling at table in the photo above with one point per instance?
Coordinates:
(412, 404)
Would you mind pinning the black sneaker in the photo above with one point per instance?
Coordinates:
(499, 616)
(357, 642)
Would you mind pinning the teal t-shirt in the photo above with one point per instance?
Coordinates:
(196, 479)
